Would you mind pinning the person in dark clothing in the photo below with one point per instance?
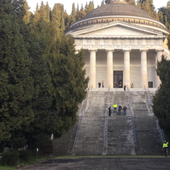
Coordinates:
(119, 110)
(99, 84)
(109, 111)
(124, 109)
(124, 87)
(165, 148)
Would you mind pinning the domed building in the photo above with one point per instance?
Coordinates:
(122, 45)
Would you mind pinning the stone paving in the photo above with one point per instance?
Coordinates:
(102, 164)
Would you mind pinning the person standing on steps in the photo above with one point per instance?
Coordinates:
(124, 87)
(165, 148)
(119, 110)
(109, 111)
(124, 109)
(115, 108)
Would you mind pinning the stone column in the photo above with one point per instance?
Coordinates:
(110, 68)
(126, 73)
(144, 72)
(158, 58)
(93, 68)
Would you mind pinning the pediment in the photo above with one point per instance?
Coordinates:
(116, 29)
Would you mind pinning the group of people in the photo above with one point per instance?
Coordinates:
(117, 110)
(101, 84)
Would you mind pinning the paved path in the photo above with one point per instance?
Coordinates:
(103, 164)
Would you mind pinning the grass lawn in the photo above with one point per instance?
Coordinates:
(6, 168)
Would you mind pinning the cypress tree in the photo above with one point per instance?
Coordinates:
(27, 16)
(42, 11)
(81, 13)
(148, 6)
(62, 20)
(164, 16)
(68, 84)
(161, 99)
(16, 86)
(42, 100)
(48, 10)
(56, 18)
(37, 14)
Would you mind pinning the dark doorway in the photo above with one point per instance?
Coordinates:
(118, 79)
(150, 84)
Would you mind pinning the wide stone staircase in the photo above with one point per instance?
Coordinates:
(120, 130)
(96, 133)
(148, 139)
(90, 141)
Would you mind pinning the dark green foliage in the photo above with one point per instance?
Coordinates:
(10, 158)
(66, 71)
(161, 100)
(42, 99)
(25, 155)
(15, 82)
(148, 6)
(164, 16)
(41, 78)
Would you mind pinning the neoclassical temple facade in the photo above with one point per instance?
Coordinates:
(122, 45)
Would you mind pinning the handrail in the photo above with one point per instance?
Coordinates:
(80, 119)
(157, 122)
(132, 119)
(160, 131)
(106, 122)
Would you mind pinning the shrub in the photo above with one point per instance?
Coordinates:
(10, 158)
(25, 155)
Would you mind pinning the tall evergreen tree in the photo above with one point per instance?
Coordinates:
(73, 14)
(56, 18)
(81, 13)
(48, 11)
(68, 84)
(161, 99)
(37, 14)
(62, 20)
(164, 16)
(148, 6)
(16, 88)
(27, 16)
(42, 99)
(42, 11)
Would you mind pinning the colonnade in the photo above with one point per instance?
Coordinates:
(126, 71)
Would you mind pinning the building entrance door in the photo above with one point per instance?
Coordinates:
(118, 79)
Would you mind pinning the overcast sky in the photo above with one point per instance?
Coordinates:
(68, 3)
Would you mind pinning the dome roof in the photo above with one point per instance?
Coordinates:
(118, 8)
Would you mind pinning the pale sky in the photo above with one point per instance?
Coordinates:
(68, 3)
